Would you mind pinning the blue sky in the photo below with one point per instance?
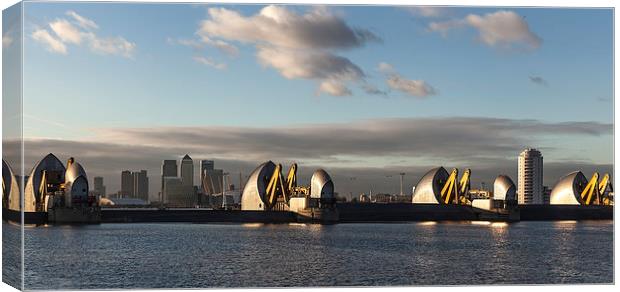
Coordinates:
(162, 82)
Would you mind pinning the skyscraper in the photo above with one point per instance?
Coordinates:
(187, 170)
(530, 190)
(99, 188)
(205, 165)
(168, 169)
(141, 185)
(126, 184)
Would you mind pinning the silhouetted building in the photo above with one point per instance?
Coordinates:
(98, 187)
(126, 184)
(187, 171)
(140, 185)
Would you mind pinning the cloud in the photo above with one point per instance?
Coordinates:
(280, 27)
(334, 88)
(209, 62)
(501, 29)
(294, 64)
(68, 33)
(385, 68)
(416, 88)
(82, 21)
(367, 150)
(298, 46)
(52, 44)
(538, 80)
(113, 46)
(7, 40)
(427, 11)
(371, 89)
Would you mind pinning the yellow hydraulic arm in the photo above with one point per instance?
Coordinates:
(590, 190)
(450, 191)
(275, 188)
(464, 186)
(602, 185)
(291, 178)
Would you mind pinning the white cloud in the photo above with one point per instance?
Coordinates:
(66, 31)
(278, 26)
(209, 62)
(416, 88)
(294, 64)
(385, 67)
(503, 29)
(7, 40)
(298, 46)
(113, 46)
(220, 45)
(52, 44)
(82, 21)
(334, 87)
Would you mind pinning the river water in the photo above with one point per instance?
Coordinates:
(296, 255)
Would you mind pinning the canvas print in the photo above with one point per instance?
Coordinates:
(222, 145)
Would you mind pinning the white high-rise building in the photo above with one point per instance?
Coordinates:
(187, 171)
(530, 189)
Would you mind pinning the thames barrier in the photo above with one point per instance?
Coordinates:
(56, 193)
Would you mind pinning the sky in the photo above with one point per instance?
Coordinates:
(365, 92)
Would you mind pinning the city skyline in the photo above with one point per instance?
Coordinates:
(365, 93)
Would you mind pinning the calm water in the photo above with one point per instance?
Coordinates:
(227, 255)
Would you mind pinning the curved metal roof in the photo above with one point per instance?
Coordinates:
(32, 196)
(428, 189)
(321, 185)
(10, 188)
(74, 170)
(567, 191)
(504, 189)
(254, 193)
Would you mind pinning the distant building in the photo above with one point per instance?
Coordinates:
(212, 181)
(126, 184)
(140, 185)
(168, 169)
(176, 194)
(546, 195)
(187, 171)
(98, 187)
(530, 188)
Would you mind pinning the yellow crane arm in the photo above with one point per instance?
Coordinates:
(590, 189)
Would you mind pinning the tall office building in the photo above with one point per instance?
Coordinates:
(168, 169)
(530, 190)
(176, 194)
(99, 188)
(126, 184)
(204, 166)
(141, 185)
(212, 181)
(187, 170)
